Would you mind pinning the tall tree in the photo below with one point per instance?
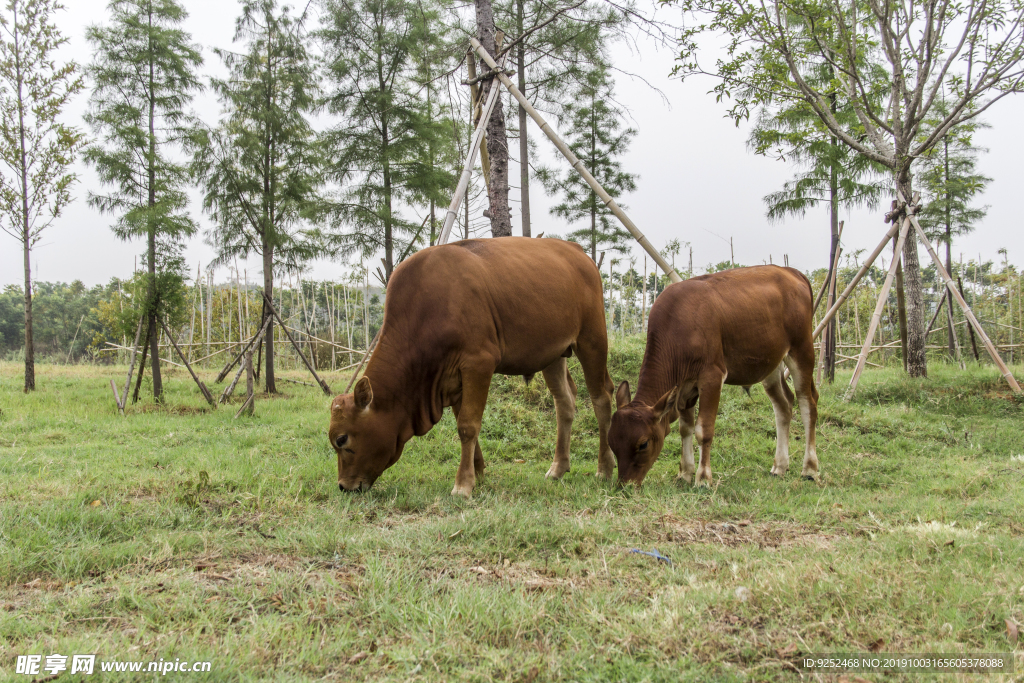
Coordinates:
(905, 52)
(593, 125)
(259, 165)
(144, 75)
(35, 147)
(951, 180)
(391, 147)
(831, 173)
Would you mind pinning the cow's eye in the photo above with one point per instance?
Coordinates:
(342, 440)
(643, 446)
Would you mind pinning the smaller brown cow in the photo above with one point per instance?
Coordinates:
(736, 327)
(454, 316)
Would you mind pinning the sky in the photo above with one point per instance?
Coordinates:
(697, 181)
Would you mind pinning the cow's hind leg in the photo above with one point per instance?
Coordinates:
(686, 430)
(800, 362)
(593, 355)
(782, 401)
(476, 382)
(710, 386)
(563, 389)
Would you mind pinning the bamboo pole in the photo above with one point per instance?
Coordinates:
(1007, 375)
(117, 399)
(474, 94)
(876, 317)
(228, 390)
(467, 168)
(577, 164)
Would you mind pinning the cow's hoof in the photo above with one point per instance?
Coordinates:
(686, 477)
(464, 491)
(606, 475)
(557, 470)
(809, 476)
(778, 472)
(703, 478)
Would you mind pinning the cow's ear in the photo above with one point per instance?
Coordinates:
(622, 395)
(665, 404)
(363, 393)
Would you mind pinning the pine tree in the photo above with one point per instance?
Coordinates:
(391, 146)
(951, 180)
(259, 166)
(556, 45)
(36, 149)
(144, 75)
(832, 174)
(594, 132)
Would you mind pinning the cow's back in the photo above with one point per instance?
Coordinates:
(524, 298)
(745, 318)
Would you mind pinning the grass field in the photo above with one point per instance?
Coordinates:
(180, 533)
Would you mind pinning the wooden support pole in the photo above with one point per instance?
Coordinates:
(131, 365)
(142, 367)
(248, 345)
(854, 282)
(117, 399)
(1007, 375)
(202, 387)
(876, 317)
(577, 164)
(467, 168)
(273, 311)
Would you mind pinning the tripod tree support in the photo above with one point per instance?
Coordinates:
(273, 311)
(248, 345)
(577, 164)
(855, 281)
(876, 317)
(231, 387)
(202, 387)
(1007, 375)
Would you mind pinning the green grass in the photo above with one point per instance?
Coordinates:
(228, 540)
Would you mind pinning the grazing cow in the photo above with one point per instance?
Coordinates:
(454, 316)
(735, 327)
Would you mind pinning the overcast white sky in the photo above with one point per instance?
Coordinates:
(697, 181)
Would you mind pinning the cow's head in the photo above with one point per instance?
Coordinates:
(364, 438)
(638, 433)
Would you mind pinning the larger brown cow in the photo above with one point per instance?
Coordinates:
(454, 316)
(735, 327)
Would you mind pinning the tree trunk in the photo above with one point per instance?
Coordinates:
(497, 138)
(830, 331)
(917, 361)
(154, 351)
(268, 337)
(524, 147)
(901, 306)
(26, 234)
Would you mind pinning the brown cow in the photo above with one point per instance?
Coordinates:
(454, 316)
(735, 327)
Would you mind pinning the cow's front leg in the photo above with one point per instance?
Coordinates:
(478, 456)
(563, 389)
(475, 386)
(687, 425)
(710, 394)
